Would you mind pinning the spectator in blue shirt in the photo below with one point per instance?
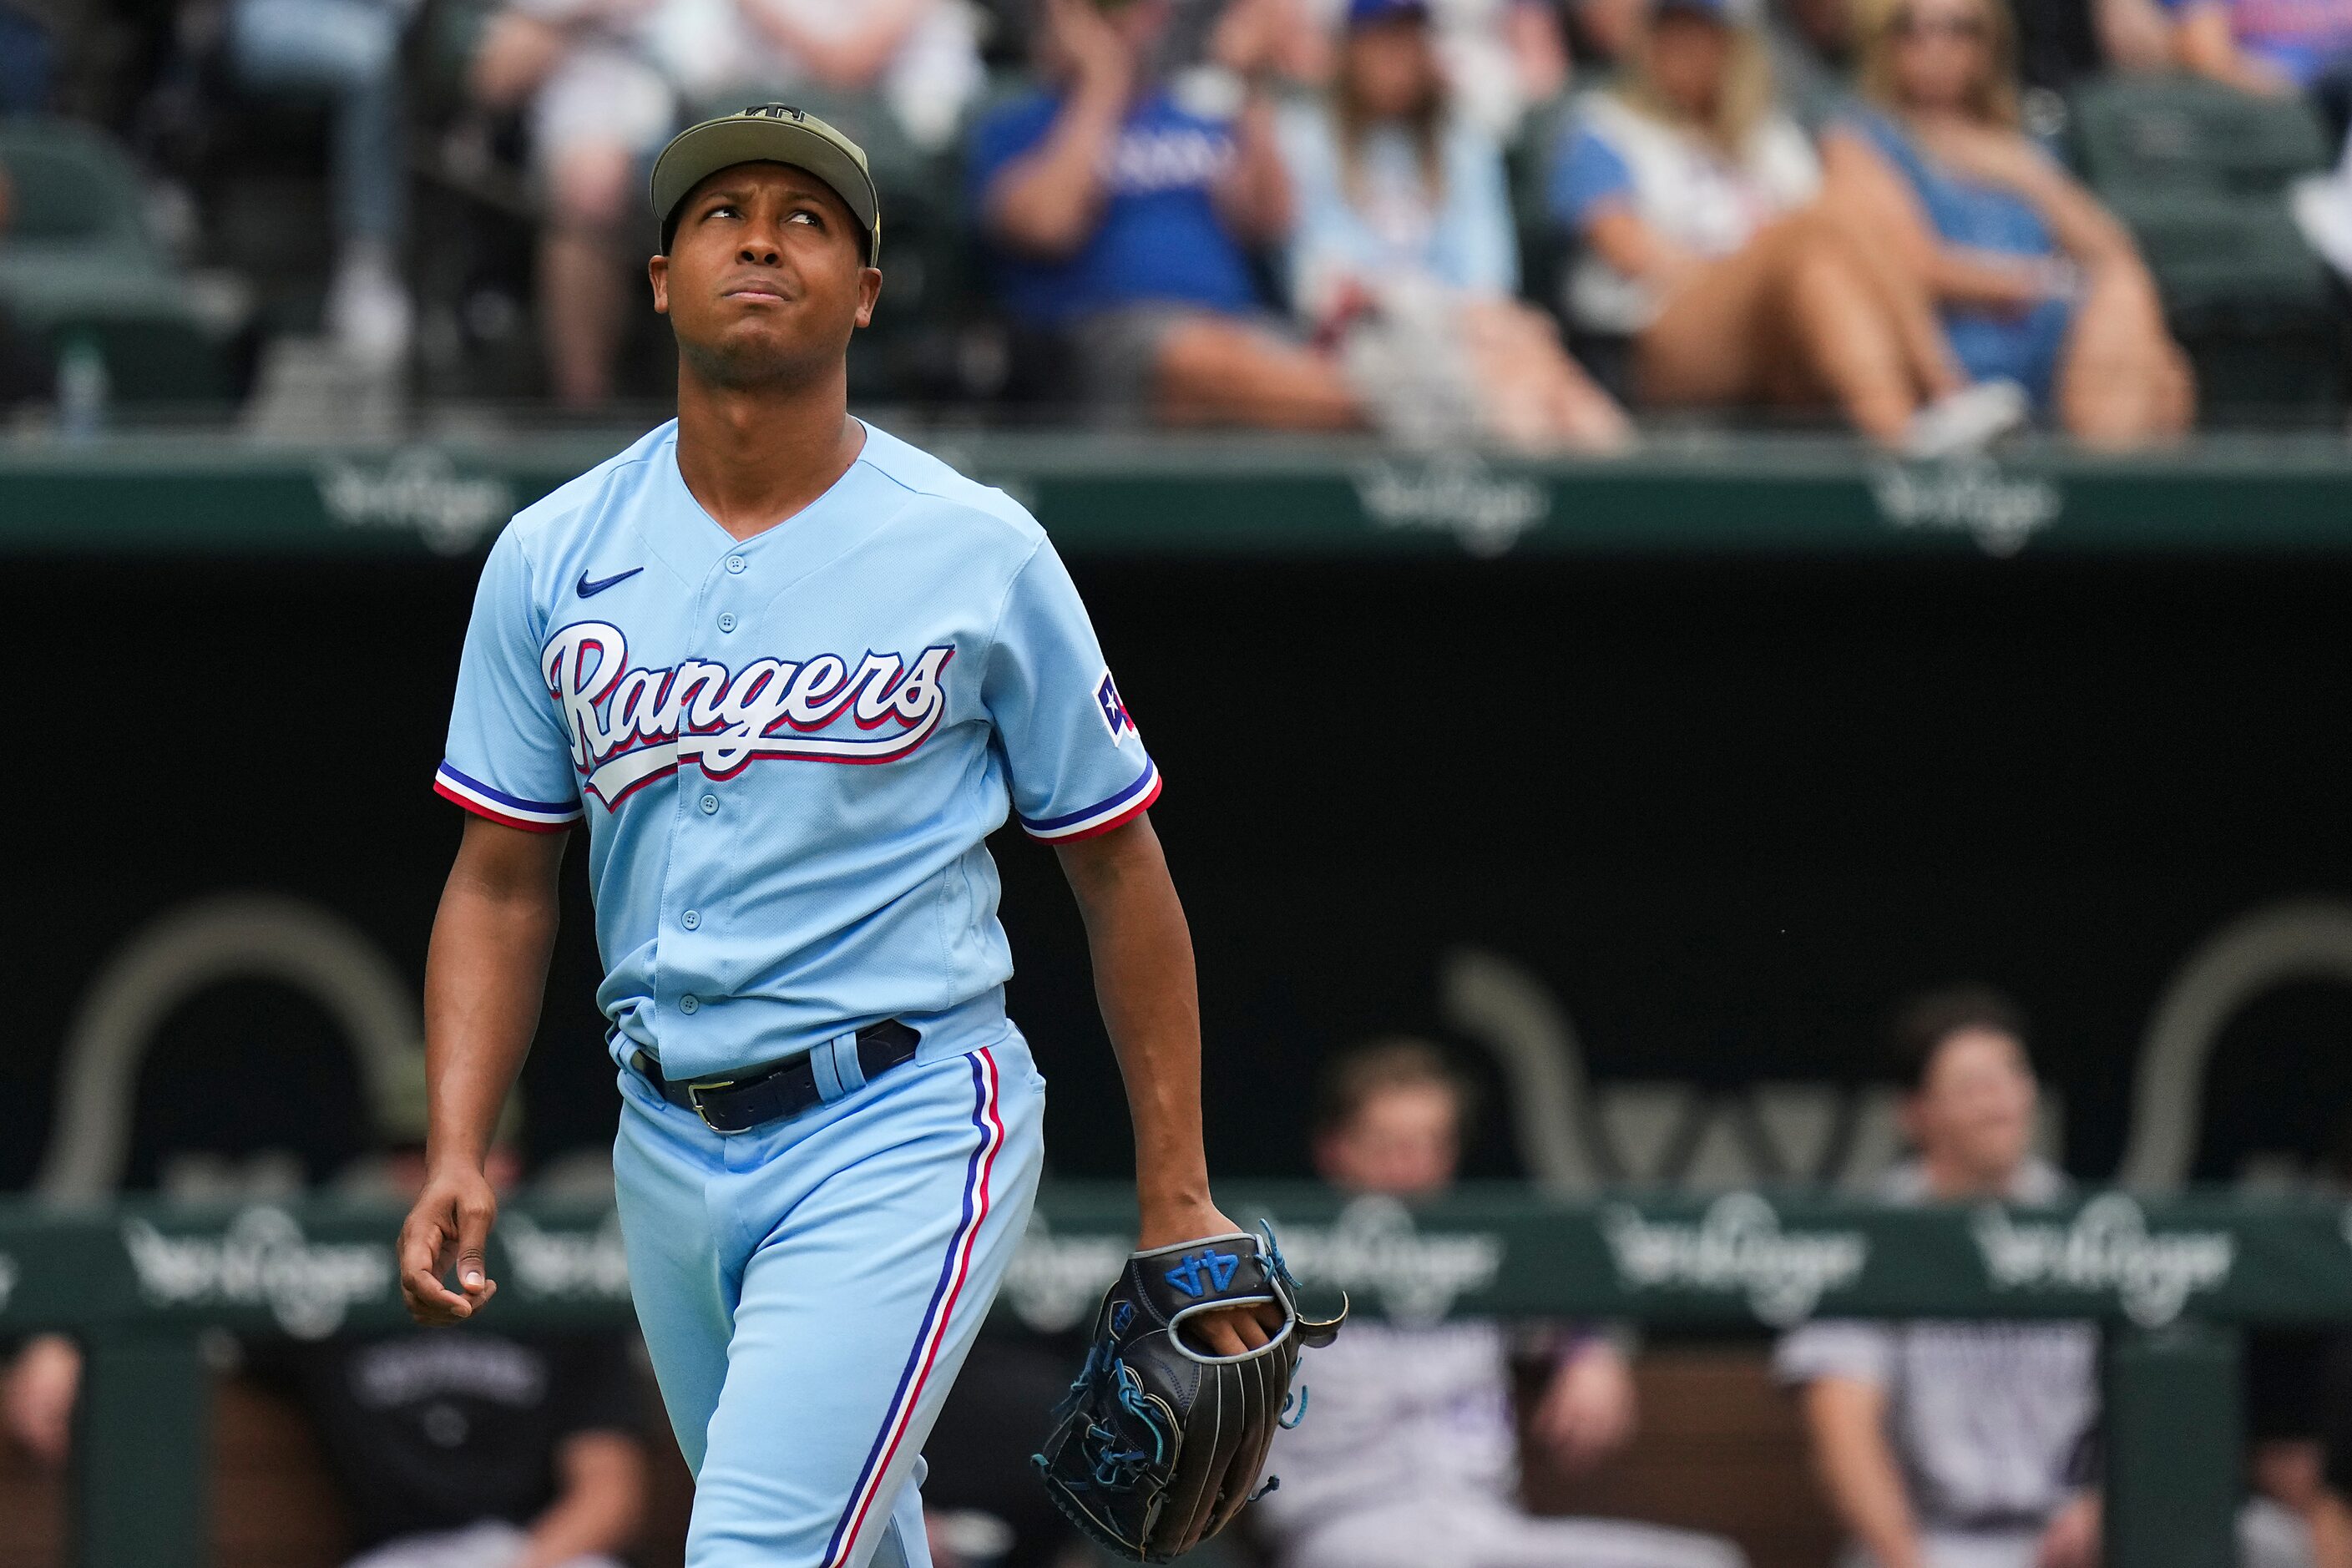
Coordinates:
(1119, 222)
(2036, 282)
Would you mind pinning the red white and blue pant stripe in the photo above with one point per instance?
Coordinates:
(809, 1290)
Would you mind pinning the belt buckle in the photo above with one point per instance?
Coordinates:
(694, 1099)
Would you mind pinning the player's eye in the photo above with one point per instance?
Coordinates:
(724, 209)
(807, 216)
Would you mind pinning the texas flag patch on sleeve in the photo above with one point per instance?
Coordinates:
(1113, 709)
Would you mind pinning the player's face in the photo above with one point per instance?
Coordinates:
(1973, 1115)
(1404, 1142)
(763, 281)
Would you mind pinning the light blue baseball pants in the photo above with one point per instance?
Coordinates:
(809, 1289)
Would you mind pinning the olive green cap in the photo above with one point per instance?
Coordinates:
(767, 133)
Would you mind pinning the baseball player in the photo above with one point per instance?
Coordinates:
(788, 672)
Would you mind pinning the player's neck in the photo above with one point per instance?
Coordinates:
(755, 457)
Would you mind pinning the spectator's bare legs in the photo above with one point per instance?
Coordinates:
(1537, 398)
(1229, 372)
(1904, 296)
(2121, 381)
(1790, 314)
(584, 281)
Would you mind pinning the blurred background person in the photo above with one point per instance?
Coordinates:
(2271, 46)
(1409, 1456)
(456, 1448)
(1689, 196)
(2038, 283)
(1502, 58)
(348, 52)
(1403, 252)
(597, 78)
(1956, 1445)
(918, 60)
(1121, 224)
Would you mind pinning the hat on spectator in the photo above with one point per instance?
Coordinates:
(767, 134)
(1373, 13)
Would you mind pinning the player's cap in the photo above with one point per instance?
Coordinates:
(767, 134)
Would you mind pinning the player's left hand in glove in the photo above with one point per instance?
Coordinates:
(1160, 1440)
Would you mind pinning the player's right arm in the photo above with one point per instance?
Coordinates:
(1847, 1417)
(485, 974)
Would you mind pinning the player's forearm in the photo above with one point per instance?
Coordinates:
(485, 973)
(1142, 952)
(1859, 1471)
(601, 1507)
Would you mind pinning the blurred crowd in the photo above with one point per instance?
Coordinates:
(1507, 222)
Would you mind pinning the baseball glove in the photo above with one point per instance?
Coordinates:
(1158, 1443)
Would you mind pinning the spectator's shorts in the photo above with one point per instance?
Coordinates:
(598, 95)
(1115, 353)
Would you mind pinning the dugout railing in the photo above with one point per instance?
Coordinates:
(2174, 1282)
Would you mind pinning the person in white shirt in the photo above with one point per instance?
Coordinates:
(1690, 195)
(1410, 1457)
(1402, 253)
(1956, 1445)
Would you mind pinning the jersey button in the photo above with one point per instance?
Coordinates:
(735, 564)
(691, 919)
(727, 622)
(709, 804)
(690, 1005)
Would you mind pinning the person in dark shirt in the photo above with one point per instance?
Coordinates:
(474, 1447)
(453, 1448)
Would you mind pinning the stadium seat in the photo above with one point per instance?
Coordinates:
(73, 186)
(2147, 135)
(2198, 172)
(79, 262)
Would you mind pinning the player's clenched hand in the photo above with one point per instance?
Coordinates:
(1229, 1330)
(447, 1229)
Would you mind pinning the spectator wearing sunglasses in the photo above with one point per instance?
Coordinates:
(1691, 196)
(2035, 281)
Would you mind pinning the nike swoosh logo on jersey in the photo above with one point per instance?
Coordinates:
(588, 590)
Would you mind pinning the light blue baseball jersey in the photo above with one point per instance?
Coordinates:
(788, 749)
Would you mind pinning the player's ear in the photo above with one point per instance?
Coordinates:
(658, 270)
(869, 289)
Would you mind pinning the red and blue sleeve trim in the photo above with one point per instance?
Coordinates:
(1101, 816)
(532, 815)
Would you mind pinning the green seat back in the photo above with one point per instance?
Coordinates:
(2140, 136)
(72, 187)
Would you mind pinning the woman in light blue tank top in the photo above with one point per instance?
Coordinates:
(2036, 282)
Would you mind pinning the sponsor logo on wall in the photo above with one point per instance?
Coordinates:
(262, 1259)
(1456, 494)
(2106, 1247)
(1738, 1248)
(418, 492)
(2001, 512)
(566, 1265)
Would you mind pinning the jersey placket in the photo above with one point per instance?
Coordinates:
(693, 899)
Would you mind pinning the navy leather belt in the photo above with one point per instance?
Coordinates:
(763, 1094)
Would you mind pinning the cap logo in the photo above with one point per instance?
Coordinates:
(776, 112)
